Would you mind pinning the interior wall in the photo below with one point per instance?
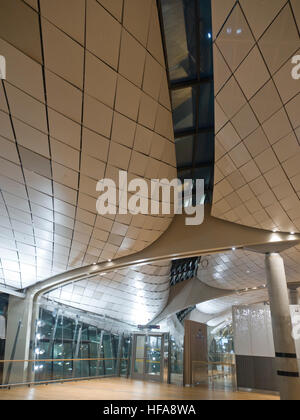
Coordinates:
(254, 346)
(85, 96)
(253, 335)
(253, 331)
(195, 347)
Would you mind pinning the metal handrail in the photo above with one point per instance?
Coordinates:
(57, 379)
(61, 360)
(211, 375)
(213, 363)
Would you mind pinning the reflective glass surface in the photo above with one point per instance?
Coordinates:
(125, 356)
(139, 354)
(176, 363)
(184, 148)
(183, 269)
(205, 148)
(187, 29)
(65, 349)
(180, 43)
(3, 311)
(206, 105)
(183, 103)
(205, 29)
(153, 355)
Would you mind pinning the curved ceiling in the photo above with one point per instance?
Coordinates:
(86, 95)
(74, 110)
(235, 270)
(188, 39)
(218, 312)
(257, 153)
(134, 295)
(257, 160)
(223, 305)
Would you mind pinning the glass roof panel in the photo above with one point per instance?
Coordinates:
(207, 174)
(180, 41)
(185, 174)
(187, 29)
(206, 105)
(206, 56)
(183, 104)
(184, 151)
(205, 148)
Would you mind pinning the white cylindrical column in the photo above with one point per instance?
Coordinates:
(286, 358)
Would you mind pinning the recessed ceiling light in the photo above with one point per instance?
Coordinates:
(109, 260)
(233, 249)
(275, 230)
(292, 233)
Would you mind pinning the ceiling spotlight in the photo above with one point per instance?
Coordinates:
(275, 230)
(233, 249)
(292, 233)
(94, 263)
(109, 260)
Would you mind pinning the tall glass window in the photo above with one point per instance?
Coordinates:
(176, 363)
(67, 348)
(3, 310)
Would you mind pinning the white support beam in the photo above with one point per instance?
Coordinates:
(12, 292)
(179, 241)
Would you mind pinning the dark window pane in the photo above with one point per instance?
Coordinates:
(179, 26)
(183, 102)
(204, 148)
(60, 337)
(108, 354)
(205, 29)
(206, 105)
(184, 151)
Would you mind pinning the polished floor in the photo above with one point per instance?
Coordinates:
(123, 389)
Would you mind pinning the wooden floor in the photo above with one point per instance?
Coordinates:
(122, 389)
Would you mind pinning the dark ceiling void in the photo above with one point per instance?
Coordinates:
(184, 313)
(187, 35)
(183, 269)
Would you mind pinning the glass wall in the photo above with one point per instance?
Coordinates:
(221, 344)
(187, 31)
(176, 362)
(3, 310)
(154, 355)
(125, 356)
(67, 348)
